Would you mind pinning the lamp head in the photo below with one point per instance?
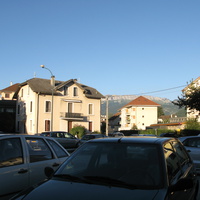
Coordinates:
(42, 66)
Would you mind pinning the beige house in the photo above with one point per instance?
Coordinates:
(44, 105)
(193, 113)
(7, 93)
(139, 113)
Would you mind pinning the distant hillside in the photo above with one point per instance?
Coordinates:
(118, 101)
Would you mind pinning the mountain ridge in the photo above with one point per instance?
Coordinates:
(115, 102)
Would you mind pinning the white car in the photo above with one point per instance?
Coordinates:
(192, 145)
(23, 159)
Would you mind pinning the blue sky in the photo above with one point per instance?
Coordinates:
(119, 47)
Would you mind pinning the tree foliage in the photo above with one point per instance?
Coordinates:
(192, 124)
(78, 130)
(190, 98)
(160, 111)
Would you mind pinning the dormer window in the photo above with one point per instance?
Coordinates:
(75, 91)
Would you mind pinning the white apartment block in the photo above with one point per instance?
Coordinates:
(140, 113)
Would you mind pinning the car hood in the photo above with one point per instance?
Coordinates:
(56, 189)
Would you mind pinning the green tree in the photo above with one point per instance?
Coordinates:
(190, 98)
(78, 130)
(192, 124)
(160, 111)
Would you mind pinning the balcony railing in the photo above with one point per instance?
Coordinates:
(67, 115)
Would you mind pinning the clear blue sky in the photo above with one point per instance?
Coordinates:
(119, 47)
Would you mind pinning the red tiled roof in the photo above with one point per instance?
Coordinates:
(141, 101)
(11, 88)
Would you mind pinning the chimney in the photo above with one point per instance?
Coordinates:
(53, 81)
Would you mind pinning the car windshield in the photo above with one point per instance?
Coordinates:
(114, 164)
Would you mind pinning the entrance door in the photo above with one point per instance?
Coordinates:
(69, 125)
(90, 126)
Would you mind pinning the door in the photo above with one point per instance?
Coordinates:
(69, 125)
(14, 171)
(40, 157)
(90, 126)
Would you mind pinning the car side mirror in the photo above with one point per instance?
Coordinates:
(48, 172)
(182, 184)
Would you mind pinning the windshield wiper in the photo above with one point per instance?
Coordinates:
(70, 177)
(110, 181)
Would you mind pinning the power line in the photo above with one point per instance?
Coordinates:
(161, 90)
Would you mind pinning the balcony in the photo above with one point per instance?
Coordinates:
(71, 116)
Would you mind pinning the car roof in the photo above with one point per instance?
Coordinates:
(134, 139)
(20, 135)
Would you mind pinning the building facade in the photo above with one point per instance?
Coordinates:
(43, 106)
(193, 113)
(138, 114)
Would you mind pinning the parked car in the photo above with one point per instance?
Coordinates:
(67, 140)
(169, 135)
(91, 136)
(116, 134)
(122, 168)
(23, 159)
(192, 145)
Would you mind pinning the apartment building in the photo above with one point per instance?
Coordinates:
(139, 114)
(193, 113)
(8, 108)
(50, 105)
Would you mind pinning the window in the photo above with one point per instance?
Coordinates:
(59, 151)
(10, 152)
(22, 93)
(48, 106)
(38, 150)
(75, 91)
(182, 155)
(171, 160)
(31, 125)
(31, 106)
(18, 109)
(90, 109)
(7, 95)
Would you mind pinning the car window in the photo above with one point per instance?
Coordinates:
(130, 163)
(67, 135)
(172, 161)
(57, 149)
(192, 142)
(38, 150)
(181, 153)
(10, 152)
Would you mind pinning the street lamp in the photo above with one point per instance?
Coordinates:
(107, 115)
(53, 85)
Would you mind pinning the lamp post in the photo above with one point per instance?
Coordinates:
(52, 82)
(107, 115)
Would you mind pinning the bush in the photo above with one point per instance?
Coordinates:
(78, 130)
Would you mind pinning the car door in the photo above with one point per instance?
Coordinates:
(40, 157)
(179, 166)
(70, 140)
(193, 147)
(14, 172)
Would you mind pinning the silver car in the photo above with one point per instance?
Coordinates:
(23, 159)
(192, 145)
